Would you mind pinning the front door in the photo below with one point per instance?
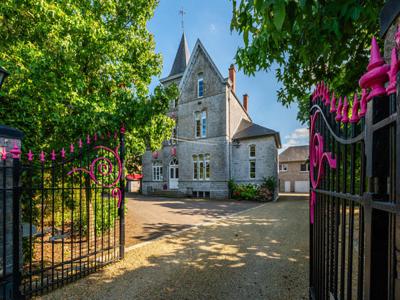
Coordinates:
(173, 174)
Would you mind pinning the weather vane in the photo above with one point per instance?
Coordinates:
(182, 13)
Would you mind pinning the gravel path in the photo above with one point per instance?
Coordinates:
(261, 253)
(151, 217)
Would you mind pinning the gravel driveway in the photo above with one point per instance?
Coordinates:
(258, 254)
(151, 217)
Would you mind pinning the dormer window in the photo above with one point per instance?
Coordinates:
(200, 85)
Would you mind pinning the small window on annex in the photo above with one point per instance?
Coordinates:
(252, 169)
(304, 167)
(283, 167)
(252, 151)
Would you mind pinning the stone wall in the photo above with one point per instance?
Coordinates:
(266, 160)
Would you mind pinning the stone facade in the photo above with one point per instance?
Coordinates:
(224, 117)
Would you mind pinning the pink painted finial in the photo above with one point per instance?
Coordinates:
(376, 76)
(327, 100)
(364, 101)
(123, 129)
(333, 103)
(115, 134)
(62, 153)
(42, 157)
(394, 69)
(4, 154)
(30, 155)
(95, 137)
(108, 134)
(53, 155)
(339, 110)
(88, 139)
(375, 59)
(15, 152)
(71, 148)
(345, 113)
(80, 143)
(354, 113)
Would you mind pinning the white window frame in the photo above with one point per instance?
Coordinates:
(200, 80)
(307, 167)
(282, 168)
(255, 169)
(201, 167)
(157, 171)
(255, 151)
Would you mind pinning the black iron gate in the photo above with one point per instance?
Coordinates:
(69, 220)
(354, 201)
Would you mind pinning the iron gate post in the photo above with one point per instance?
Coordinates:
(122, 188)
(17, 242)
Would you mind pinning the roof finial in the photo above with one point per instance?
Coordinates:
(182, 12)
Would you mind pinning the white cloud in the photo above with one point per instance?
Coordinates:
(299, 136)
(212, 28)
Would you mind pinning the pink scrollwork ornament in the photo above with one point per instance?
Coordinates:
(103, 165)
(318, 160)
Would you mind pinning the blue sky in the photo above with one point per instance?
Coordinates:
(209, 20)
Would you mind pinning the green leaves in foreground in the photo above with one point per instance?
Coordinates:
(308, 41)
(78, 67)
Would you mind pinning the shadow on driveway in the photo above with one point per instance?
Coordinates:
(148, 218)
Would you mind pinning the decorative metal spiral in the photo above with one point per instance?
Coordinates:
(105, 168)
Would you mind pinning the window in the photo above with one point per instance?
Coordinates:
(207, 166)
(195, 168)
(172, 141)
(201, 167)
(252, 151)
(283, 167)
(197, 124)
(200, 124)
(305, 167)
(200, 86)
(157, 171)
(204, 124)
(252, 169)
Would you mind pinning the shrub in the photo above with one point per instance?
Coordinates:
(264, 192)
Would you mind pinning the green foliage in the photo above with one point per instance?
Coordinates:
(310, 41)
(80, 67)
(263, 192)
(270, 183)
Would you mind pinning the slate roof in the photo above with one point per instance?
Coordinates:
(181, 58)
(294, 153)
(254, 131)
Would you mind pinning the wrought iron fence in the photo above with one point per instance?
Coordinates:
(70, 212)
(354, 194)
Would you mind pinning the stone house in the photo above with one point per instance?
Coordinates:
(214, 139)
(294, 170)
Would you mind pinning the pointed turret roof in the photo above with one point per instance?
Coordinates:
(181, 58)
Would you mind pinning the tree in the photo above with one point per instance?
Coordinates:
(310, 40)
(78, 67)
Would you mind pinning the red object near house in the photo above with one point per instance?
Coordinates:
(134, 182)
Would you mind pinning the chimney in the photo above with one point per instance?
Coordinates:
(245, 101)
(232, 77)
